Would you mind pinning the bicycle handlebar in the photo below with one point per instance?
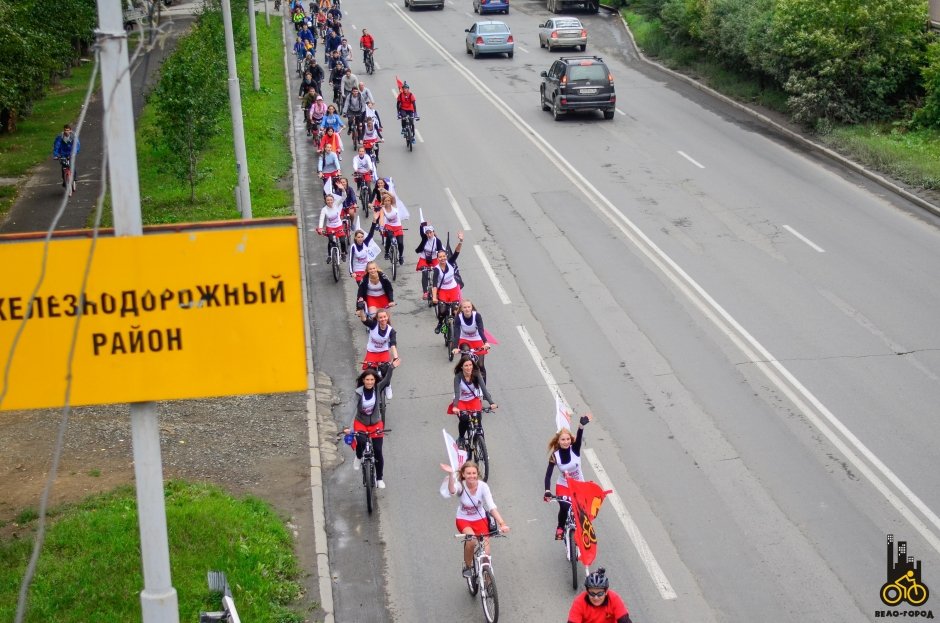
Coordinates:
(558, 498)
(470, 537)
(484, 410)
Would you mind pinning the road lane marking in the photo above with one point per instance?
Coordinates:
(418, 136)
(621, 112)
(804, 239)
(522, 49)
(804, 400)
(642, 547)
(690, 159)
(456, 206)
(500, 292)
(633, 532)
(468, 15)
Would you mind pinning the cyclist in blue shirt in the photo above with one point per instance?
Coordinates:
(62, 147)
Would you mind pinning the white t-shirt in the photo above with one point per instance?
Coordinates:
(473, 507)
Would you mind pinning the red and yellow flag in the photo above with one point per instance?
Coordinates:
(586, 500)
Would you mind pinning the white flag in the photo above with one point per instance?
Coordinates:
(373, 250)
(421, 215)
(455, 456)
(328, 186)
(403, 213)
(562, 415)
(357, 226)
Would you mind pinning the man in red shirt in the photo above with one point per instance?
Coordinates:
(366, 42)
(598, 604)
(406, 105)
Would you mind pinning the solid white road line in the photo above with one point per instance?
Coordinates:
(620, 112)
(522, 49)
(633, 532)
(817, 413)
(804, 239)
(456, 206)
(418, 136)
(500, 292)
(642, 547)
(690, 159)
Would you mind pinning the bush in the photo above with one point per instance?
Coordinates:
(928, 116)
(846, 60)
(735, 33)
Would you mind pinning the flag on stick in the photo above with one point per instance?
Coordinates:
(586, 500)
(562, 414)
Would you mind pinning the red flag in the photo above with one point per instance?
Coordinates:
(489, 338)
(399, 83)
(586, 499)
(450, 408)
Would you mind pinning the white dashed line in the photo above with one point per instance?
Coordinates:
(815, 246)
(500, 292)
(418, 136)
(522, 49)
(464, 223)
(621, 112)
(690, 159)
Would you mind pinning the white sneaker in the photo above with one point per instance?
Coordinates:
(380, 484)
(357, 464)
(388, 393)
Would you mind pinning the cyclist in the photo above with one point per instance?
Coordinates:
(378, 191)
(366, 44)
(406, 105)
(363, 168)
(354, 109)
(301, 51)
(331, 139)
(62, 147)
(370, 138)
(333, 41)
(375, 290)
(349, 199)
(476, 500)
(359, 251)
(394, 230)
(306, 35)
(315, 115)
(469, 392)
(372, 113)
(445, 288)
(367, 419)
(366, 93)
(350, 81)
(469, 330)
(566, 456)
(331, 216)
(345, 51)
(428, 249)
(382, 346)
(316, 71)
(598, 603)
(328, 166)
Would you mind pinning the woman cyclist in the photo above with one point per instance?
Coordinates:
(378, 191)
(445, 289)
(367, 419)
(391, 222)
(331, 216)
(428, 249)
(347, 198)
(331, 120)
(315, 117)
(375, 290)
(382, 346)
(564, 454)
(469, 392)
(328, 165)
(469, 331)
(359, 251)
(598, 602)
(475, 500)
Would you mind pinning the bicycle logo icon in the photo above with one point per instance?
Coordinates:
(906, 585)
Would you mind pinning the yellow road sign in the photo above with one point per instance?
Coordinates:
(209, 311)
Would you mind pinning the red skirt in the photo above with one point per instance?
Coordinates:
(395, 230)
(362, 428)
(339, 232)
(422, 263)
(373, 359)
(449, 296)
(479, 526)
(358, 275)
(470, 405)
(473, 344)
(379, 302)
(562, 491)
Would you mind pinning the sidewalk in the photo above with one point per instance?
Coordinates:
(39, 198)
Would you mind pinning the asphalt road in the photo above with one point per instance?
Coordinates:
(753, 330)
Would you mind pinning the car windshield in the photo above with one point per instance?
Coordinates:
(587, 72)
(491, 28)
(567, 23)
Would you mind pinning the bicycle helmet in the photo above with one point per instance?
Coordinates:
(597, 580)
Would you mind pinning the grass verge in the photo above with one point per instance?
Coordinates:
(90, 569)
(912, 157)
(165, 198)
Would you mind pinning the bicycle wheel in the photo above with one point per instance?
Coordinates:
(473, 584)
(573, 558)
(394, 255)
(368, 480)
(364, 198)
(448, 333)
(488, 595)
(482, 457)
(334, 254)
(917, 594)
(382, 403)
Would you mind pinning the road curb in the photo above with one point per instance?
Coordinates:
(318, 507)
(805, 142)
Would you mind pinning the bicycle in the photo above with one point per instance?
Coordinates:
(427, 284)
(355, 123)
(364, 191)
(372, 148)
(475, 443)
(892, 593)
(447, 330)
(571, 547)
(332, 252)
(482, 578)
(409, 131)
(368, 60)
(67, 179)
(389, 239)
(368, 462)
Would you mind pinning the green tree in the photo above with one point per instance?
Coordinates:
(735, 33)
(928, 115)
(846, 60)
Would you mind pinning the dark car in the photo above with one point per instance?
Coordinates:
(578, 83)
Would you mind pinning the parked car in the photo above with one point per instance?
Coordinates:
(559, 32)
(489, 38)
(578, 83)
(491, 6)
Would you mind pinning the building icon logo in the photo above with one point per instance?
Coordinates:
(903, 578)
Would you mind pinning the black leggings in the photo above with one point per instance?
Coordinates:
(377, 449)
(563, 512)
(342, 244)
(400, 239)
(463, 424)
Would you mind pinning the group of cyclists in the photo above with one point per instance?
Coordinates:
(353, 109)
